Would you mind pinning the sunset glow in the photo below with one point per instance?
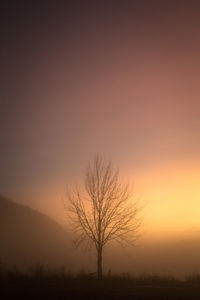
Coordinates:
(123, 84)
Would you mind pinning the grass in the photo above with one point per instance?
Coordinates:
(41, 283)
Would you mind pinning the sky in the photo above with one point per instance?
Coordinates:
(117, 78)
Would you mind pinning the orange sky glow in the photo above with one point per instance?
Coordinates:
(123, 84)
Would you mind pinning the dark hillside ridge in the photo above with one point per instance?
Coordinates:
(28, 237)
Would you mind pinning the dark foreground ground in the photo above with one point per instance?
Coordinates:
(62, 286)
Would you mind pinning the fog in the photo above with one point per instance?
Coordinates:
(29, 238)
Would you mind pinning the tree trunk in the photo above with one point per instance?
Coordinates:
(99, 264)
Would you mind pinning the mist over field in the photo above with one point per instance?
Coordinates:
(30, 238)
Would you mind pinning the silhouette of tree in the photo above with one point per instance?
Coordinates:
(103, 210)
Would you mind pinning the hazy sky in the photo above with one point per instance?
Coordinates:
(121, 79)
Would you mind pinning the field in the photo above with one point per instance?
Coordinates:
(41, 284)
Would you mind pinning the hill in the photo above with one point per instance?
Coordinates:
(29, 237)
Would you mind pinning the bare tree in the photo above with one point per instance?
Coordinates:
(104, 210)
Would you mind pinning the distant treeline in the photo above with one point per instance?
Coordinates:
(40, 272)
